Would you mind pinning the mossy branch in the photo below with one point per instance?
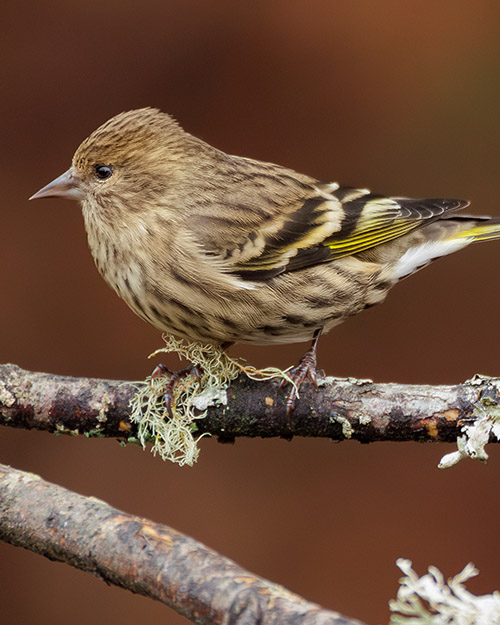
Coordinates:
(338, 409)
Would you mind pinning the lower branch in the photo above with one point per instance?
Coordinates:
(145, 557)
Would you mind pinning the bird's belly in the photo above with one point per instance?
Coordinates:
(286, 309)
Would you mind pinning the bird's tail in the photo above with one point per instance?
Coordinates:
(480, 231)
(443, 237)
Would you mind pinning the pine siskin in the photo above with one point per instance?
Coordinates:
(224, 249)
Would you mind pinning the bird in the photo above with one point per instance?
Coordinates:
(225, 249)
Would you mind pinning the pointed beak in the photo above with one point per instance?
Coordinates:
(65, 186)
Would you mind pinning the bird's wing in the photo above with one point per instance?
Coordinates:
(332, 223)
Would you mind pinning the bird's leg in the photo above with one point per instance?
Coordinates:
(177, 376)
(305, 369)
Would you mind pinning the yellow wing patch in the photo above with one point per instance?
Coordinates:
(337, 223)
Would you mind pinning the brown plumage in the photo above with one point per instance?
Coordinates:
(221, 248)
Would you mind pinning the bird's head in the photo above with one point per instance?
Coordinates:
(133, 155)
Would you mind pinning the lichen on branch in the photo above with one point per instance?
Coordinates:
(174, 432)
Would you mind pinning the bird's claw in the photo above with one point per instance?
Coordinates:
(305, 369)
(159, 370)
(175, 378)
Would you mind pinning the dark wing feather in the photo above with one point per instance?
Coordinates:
(338, 222)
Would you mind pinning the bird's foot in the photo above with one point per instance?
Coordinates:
(305, 369)
(176, 377)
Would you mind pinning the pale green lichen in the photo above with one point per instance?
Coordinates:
(173, 435)
(330, 379)
(62, 429)
(7, 399)
(347, 429)
(429, 600)
(364, 419)
(476, 435)
(102, 406)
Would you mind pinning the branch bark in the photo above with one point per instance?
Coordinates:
(145, 557)
(337, 408)
(161, 563)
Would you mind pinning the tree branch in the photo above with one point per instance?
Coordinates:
(145, 557)
(337, 409)
(161, 563)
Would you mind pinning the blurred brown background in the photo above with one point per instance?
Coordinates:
(402, 97)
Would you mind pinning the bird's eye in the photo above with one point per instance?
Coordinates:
(103, 172)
